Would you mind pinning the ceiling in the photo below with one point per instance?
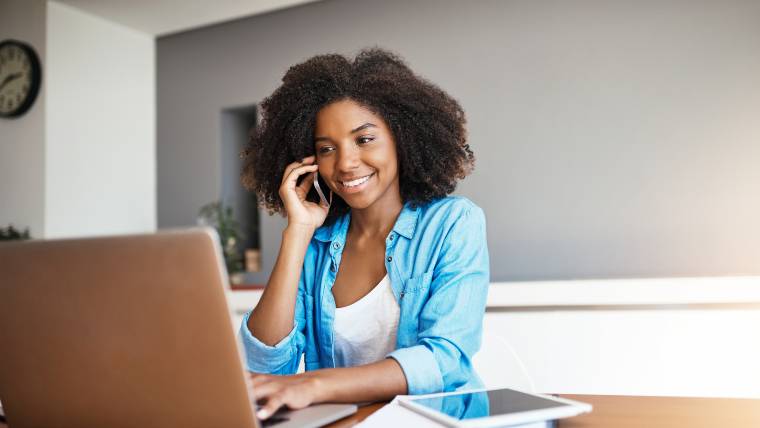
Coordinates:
(162, 17)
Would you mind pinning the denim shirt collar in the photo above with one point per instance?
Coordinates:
(405, 225)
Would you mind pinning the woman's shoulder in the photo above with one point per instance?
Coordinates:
(329, 231)
(450, 210)
(449, 205)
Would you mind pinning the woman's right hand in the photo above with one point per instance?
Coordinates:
(300, 211)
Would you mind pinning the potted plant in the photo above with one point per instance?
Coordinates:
(221, 218)
(10, 233)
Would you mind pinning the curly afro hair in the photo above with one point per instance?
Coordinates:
(427, 124)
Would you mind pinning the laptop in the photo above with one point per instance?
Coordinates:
(125, 331)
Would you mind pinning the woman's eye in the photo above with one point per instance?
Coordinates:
(364, 140)
(324, 150)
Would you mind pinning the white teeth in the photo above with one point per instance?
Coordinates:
(356, 182)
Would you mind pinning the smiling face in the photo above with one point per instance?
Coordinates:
(356, 154)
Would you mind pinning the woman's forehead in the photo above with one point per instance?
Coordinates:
(345, 117)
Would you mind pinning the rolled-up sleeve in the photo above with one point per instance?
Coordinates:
(262, 358)
(451, 320)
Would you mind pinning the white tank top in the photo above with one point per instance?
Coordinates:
(365, 331)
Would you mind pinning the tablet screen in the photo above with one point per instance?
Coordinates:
(487, 403)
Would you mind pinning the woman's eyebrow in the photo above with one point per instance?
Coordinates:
(366, 125)
(353, 131)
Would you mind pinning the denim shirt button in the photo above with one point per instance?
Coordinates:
(336, 245)
(391, 238)
(390, 258)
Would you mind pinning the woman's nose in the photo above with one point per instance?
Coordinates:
(348, 159)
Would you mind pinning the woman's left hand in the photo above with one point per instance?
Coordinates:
(295, 392)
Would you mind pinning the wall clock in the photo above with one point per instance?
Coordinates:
(20, 77)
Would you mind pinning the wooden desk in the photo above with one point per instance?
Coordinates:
(627, 412)
(650, 412)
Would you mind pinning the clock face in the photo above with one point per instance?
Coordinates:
(19, 77)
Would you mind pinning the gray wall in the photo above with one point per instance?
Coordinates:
(613, 139)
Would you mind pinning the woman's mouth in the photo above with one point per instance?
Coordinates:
(355, 185)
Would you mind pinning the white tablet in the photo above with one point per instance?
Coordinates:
(492, 408)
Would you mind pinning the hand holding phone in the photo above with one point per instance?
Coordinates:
(296, 185)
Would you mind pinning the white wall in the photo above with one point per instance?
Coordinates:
(100, 122)
(82, 161)
(22, 139)
(664, 336)
(707, 353)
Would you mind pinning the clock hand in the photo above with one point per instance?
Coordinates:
(8, 79)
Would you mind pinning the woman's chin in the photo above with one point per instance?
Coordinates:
(357, 202)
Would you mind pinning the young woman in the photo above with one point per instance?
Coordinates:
(382, 286)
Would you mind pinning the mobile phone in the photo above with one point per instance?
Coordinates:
(318, 188)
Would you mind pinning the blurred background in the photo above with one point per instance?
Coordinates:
(614, 140)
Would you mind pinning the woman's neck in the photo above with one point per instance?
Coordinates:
(376, 220)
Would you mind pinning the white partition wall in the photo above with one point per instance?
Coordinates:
(100, 126)
(709, 352)
(82, 160)
(22, 140)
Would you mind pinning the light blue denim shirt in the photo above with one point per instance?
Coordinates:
(437, 259)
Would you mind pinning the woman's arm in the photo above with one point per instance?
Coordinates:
(451, 319)
(272, 318)
(378, 381)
